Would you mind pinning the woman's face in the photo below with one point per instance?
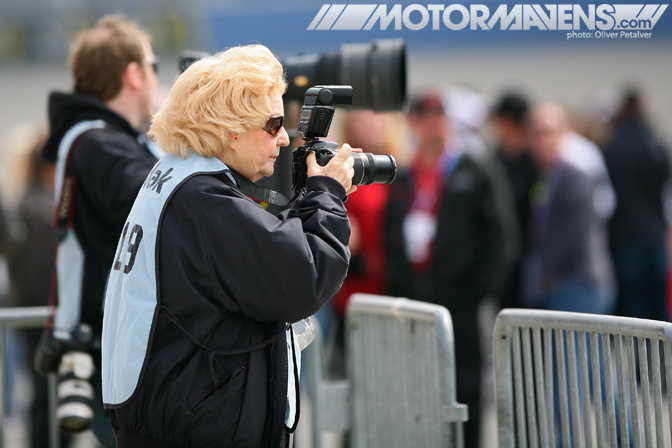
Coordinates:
(253, 153)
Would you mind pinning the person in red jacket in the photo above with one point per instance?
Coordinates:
(450, 236)
(373, 132)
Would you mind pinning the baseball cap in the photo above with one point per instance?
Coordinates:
(430, 101)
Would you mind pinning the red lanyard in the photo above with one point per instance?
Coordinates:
(428, 182)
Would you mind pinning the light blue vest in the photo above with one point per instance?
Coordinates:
(131, 298)
(70, 255)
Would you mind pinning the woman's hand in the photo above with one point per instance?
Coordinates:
(340, 167)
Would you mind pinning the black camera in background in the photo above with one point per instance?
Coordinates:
(377, 73)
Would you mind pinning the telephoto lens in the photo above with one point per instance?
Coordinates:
(75, 392)
(370, 168)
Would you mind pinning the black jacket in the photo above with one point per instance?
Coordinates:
(639, 169)
(31, 259)
(232, 274)
(476, 236)
(110, 165)
(474, 246)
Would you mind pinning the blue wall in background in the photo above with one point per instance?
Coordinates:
(283, 29)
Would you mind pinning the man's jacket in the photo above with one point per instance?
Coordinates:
(110, 163)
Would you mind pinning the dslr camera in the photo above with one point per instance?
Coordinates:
(315, 119)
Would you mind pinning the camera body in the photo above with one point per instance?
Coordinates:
(314, 121)
(52, 347)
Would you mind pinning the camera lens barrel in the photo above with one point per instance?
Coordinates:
(75, 392)
(376, 71)
(370, 168)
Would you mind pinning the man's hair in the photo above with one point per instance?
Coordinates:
(225, 93)
(513, 105)
(101, 54)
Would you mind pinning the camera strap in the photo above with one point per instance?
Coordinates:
(259, 193)
(65, 209)
(64, 215)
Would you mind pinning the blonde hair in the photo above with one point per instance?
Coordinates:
(225, 93)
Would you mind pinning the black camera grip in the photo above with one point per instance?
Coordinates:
(48, 354)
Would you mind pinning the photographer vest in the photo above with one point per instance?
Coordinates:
(131, 300)
(70, 257)
(69, 253)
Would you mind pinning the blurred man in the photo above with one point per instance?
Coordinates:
(101, 159)
(567, 267)
(510, 124)
(448, 234)
(639, 167)
(586, 156)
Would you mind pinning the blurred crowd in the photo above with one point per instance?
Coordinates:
(511, 199)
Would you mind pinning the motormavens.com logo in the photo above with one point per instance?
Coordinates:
(604, 20)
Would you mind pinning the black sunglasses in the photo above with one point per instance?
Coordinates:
(154, 62)
(274, 124)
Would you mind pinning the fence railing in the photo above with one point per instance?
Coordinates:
(27, 317)
(584, 379)
(400, 390)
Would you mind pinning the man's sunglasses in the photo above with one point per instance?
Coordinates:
(154, 62)
(274, 124)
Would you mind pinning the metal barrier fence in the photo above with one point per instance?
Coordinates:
(27, 317)
(400, 390)
(602, 379)
(401, 361)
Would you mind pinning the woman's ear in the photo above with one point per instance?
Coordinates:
(233, 141)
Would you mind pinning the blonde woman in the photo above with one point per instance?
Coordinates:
(197, 350)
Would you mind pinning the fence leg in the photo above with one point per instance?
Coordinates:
(54, 431)
(3, 333)
(26, 317)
